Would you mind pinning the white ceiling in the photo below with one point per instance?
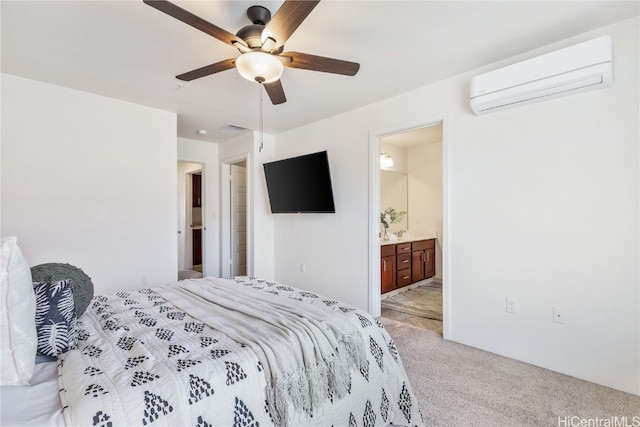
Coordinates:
(130, 51)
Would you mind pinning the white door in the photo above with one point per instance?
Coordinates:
(238, 220)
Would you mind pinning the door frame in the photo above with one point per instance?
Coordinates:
(374, 214)
(225, 214)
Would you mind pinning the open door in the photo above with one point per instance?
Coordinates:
(238, 228)
(234, 212)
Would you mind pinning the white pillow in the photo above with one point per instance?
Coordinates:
(18, 337)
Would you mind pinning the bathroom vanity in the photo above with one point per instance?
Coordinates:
(406, 262)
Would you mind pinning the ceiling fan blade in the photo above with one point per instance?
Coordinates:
(275, 92)
(195, 21)
(208, 70)
(287, 19)
(320, 63)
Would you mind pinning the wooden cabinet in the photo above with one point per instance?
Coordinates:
(423, 264)
(403, 278)
(196, 191)
(388, 268)
(197, 246)
(430, 263)
(406, 263)
(403, 266)
(403, 248)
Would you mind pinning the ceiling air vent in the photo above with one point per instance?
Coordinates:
(232, 129)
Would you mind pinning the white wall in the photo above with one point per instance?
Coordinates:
(90, 181)
(333, 247)
(205, 153)
(260, 210)
(542, 204)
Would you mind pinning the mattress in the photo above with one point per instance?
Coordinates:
(37, 404)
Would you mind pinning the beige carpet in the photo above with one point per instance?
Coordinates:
(423, 301)
(461, 386)
(188, 274)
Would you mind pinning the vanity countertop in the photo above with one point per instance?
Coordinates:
(410, 238)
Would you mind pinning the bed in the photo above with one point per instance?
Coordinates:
(220, 352)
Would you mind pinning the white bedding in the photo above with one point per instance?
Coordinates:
(144, 360)
(37, 404)
(307, 352)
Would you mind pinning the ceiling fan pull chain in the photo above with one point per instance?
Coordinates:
(260, 119)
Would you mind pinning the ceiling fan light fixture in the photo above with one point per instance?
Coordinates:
(258, 66)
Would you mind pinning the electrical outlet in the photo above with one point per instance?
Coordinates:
(302, 268)
(559, 315)
(511, 306)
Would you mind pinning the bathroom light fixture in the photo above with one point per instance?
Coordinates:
(202, 132)
(385, 160)
(258, 66)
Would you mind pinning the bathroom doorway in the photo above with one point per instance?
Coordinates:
(419, 150)
(411, 191)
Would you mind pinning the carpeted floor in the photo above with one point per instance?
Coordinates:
(423, 301)
(188, 274)
(462, 386)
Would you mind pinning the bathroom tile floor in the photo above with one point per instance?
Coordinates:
(420, 322)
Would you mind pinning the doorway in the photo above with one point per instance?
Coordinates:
(413, 222)
(411, 189)
(191, 202)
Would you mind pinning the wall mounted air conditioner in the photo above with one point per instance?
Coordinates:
(574, 69)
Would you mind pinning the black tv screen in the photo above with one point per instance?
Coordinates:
(300, 184)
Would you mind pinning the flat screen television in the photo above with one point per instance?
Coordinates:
(300, 184)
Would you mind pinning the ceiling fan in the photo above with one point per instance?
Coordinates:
(261, 45)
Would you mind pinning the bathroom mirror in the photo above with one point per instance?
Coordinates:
(394, 192)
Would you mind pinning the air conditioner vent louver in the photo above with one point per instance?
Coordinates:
(574, 69)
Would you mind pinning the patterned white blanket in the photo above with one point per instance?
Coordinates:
(141, 360)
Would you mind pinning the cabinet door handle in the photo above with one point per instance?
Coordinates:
(405, 261)
(384, 265)
(405, 277)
